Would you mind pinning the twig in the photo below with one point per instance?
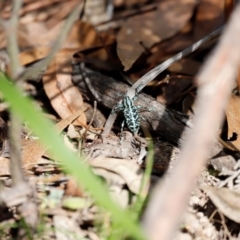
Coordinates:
(15, 129)
(83, 137)
(91, 121)
(148, 77)
(10, 28)
(94, 114)
(26, 202)
(21, 191)
(215, 83)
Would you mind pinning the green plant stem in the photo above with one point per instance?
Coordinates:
(141, 198)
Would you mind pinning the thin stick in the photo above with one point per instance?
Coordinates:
(148, 77)
(11, 30)
(91, 121)
(18, 178)
(215, 82)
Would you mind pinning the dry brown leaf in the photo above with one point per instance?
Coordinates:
(73, 189)
(226, 200)
(172, 88)
(39, 27)
(116, 185)
(36, 45)
(4, 169)
(99, 56)
(60, 126)
(185, 66)
(189, 105)
(228, 8)
(33, 149)
(35, 10)
(130, 171)
(209, 17)
(65, 98)
(33, 54)
(126, 3)
(111, 178)
(152, 27)
(233, 119)
(81, 35)
(72, 132)
(66, 228)
(34, 34)
(35, 39)
(32, 152)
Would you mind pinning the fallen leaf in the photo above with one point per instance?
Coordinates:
(33, 149)
(73, 189)
(101, 57)
(172, 88)
(209, 17)
(116, 186)
(66, 228)
(4, 169)
(42, 32)
(111, 178)
(185, 66)
(33, 54)
(72, 132)
(143, 31)
(130, 171)
(82, 35)
(233, 119)
(189, 105)
(32, 152)
(65, 97)
(35, 46)
(226, 200)
(60, 126)
(228, 8)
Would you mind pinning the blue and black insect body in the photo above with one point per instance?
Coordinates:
(130, 112)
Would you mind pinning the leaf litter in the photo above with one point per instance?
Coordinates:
(133, 44)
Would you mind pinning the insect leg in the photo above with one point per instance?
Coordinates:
(122, 126)
(118, 108)
(142, 109)
(137, 90)
(142, 118)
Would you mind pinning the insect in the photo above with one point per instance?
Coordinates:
(130, 112)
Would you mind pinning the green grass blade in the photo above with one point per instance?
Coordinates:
(25, 109)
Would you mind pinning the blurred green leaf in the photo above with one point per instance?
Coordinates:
(25, 109)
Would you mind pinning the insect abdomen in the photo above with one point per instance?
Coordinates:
(132, 119)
